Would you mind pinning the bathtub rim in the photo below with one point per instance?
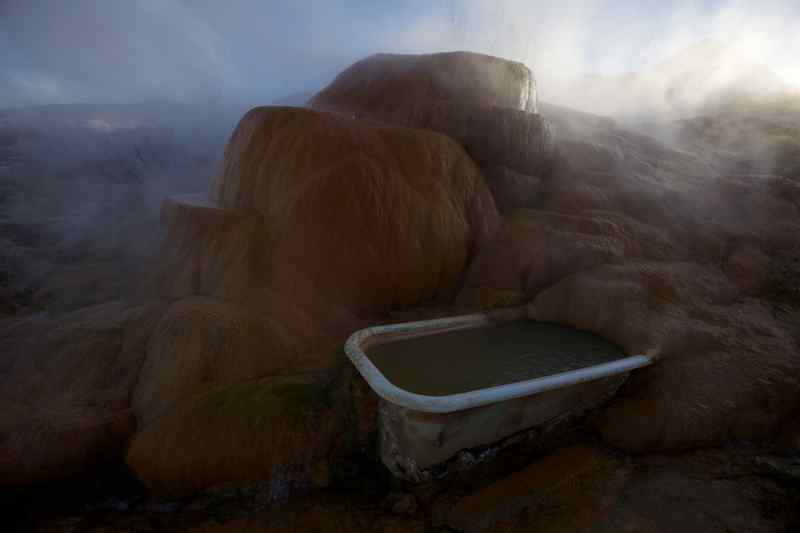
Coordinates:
(359, 341)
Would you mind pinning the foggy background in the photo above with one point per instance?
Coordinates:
(106, 106)
(247, 52)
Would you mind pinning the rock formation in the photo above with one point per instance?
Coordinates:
(680, 249)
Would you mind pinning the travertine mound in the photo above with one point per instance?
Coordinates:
(359, 215)
(393, 81)
(485, 103)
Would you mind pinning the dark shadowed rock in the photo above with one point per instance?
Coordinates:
(368, 216)
(281, 433)
(582, 489)
(725, 369)
(67, 390)
(500, 502)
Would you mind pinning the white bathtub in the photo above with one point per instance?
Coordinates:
(420, 432)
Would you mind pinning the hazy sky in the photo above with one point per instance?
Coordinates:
(56, 51)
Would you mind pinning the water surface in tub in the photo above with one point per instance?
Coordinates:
(472, 359)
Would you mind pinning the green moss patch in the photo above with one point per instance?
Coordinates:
(265, 400)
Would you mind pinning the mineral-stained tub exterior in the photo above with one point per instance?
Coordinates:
(419, 433)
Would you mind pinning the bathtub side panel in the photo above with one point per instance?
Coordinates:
(412, 442)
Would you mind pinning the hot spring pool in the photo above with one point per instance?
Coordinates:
(472, 359)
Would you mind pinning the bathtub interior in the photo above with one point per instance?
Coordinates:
(442, 363)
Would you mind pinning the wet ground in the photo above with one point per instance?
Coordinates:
(577, 488)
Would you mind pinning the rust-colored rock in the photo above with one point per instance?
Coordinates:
(204, 342)
(359, 215)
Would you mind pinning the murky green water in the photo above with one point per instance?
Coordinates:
(461, 361)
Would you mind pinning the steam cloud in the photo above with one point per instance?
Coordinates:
(252, 52)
